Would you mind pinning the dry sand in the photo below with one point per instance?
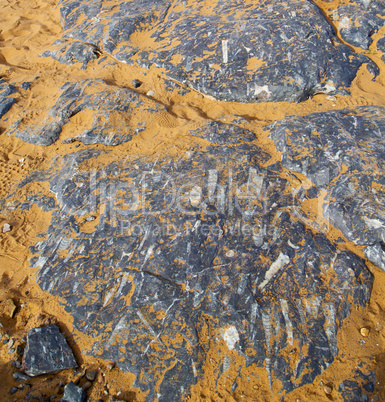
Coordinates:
(27, 28)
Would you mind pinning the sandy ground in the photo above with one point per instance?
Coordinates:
(27, 28)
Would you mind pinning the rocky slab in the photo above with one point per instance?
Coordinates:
(343, 152)
(358, 21)
(117, 115)
(209, 242)
(6, 101)
(235, 51)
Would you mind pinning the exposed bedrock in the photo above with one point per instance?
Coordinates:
(184, 246)
(235, 51)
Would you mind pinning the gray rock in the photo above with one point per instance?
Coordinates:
(6, 102)
(47, 352)
(21, 377)
(214, 214)
(70, 52)
(358, 21)
(114, 121)
(342, 152)
(265, 51)
(73, 393)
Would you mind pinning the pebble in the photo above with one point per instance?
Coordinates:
(13, 390)
(21, 376)
(11, 307)
(328, 389)
(11, 351)
(19, 350)
(90, 218)
(364, 331)
(6, 228)
(87, 385)
(91, 375)
(11, 342)
(110, 366)
(150, 93)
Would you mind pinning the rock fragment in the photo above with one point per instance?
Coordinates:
(46, 352)
(73, 393)
(6, 228)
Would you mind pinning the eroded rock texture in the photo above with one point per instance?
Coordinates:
(6, 101)
(47, 352)
(358, 21)
(117, 115)
(343, 152)
(178, 246)
(233, 50)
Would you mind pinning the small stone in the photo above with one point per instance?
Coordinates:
(87, 385)
(6, 228)
(150, 93)
(19, 350)
(91, 375)
(10, 307)
(73, 393)
(364, 331)
(328, 389)
(136, 83)
(13, 390)
(90, 218)
(11, 351)
(58, 355)
(11, 342)
(110, 366)
(21, 376)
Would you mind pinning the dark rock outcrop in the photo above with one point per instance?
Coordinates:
(358, 21)
(256, 52)
(6, 101)
(344, 153)
(212, 240)
(114, 115)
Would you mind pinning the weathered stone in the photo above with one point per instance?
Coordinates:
(6, 102)
(47, 352)
(254, 52)
(358, 21)
(220, 133)
(21, 377)
(116, 115)
(73, 393)
(344, 153)
(70, 52)
(206, 240)
(91, 375)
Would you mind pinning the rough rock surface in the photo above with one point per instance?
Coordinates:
(6, 102)
(115, 112)
(210, 241)
(358, 21)
(73, 393)
(47, 352)
(235, 51)
(344, 153)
